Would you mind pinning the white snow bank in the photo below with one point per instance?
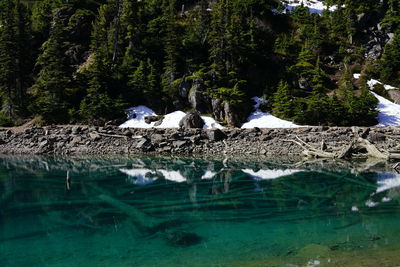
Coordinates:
(265, 120)
(315, 6)
(171, 120)
(372, 83)
(136, 117)
(389, 112)
(211, 123)
(269, 174)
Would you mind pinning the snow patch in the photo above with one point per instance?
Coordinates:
(389, 112)
(211, 123)
(171, 120)
(373, 82)
(136, 117)
(269, 174)
(315, 6)
(265, 120)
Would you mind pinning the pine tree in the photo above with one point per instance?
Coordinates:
(8, 65)
(317, 105)
(15, 56)
(364, 108)
(346, 89)
(42, 16)
(304, 67)
(51, 90)
(102, 101)
(282, 105)
(171, 42)
(390, 63)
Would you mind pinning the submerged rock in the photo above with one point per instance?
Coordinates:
(182, 238)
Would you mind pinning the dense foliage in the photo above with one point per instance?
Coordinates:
(87, 60)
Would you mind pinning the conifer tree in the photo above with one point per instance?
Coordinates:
(171, 42)
(8, 65)
(101, 101)
(15, 59)
(282, 105)
(317, 105)
(390, 63)
(51, 90)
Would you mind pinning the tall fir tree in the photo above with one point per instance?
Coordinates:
(101, 101)
(282, 102)
(15, 56)
(52, 88)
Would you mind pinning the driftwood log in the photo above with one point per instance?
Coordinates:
(347, 151)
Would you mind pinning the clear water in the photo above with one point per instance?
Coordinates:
(197, 212)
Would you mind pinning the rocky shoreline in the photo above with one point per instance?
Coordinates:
(111, 140)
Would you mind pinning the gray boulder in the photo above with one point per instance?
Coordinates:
(192, 120)
(395, 95)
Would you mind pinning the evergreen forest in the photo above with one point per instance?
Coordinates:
(87, 61)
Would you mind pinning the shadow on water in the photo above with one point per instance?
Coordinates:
(158, 211)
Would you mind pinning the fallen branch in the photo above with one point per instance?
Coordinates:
(345, 151)
(372, 150)
(112, 135)
(396, 167)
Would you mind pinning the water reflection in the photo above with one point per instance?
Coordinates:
(148, 207)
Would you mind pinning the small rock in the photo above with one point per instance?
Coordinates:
(76, 130)
(94, 136)
(144, 145)
(157, 138)
(216, 135)
(178, 144)
(75, 140)
(150, 119)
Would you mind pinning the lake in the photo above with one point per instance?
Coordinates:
(169, 211)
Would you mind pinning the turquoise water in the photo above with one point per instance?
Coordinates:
(152, 211)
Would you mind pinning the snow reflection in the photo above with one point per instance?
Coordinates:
(147, 176)
(387, 181)
(269, 174)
